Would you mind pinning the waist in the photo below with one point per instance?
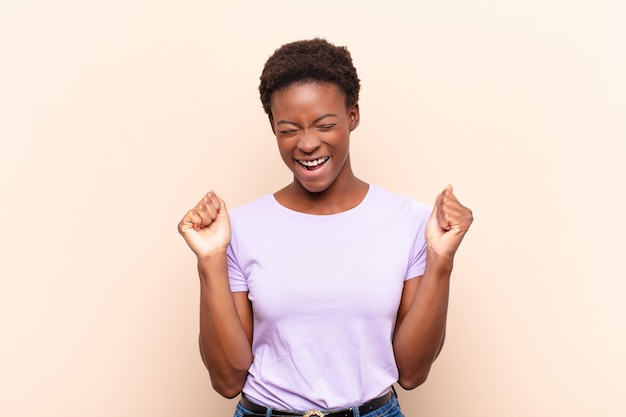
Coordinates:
(368, 407)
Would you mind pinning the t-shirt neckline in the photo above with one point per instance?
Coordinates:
(354, 209)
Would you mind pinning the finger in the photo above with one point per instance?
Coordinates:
(453, 214)
(443, 220)
(222, 207)
(190, 220)
(186, 222)
(203, 213)
(436, 222)
(451, 211)
(435, 212)
(209, 206)
(200, 218)
(443, 209)
(447, 195)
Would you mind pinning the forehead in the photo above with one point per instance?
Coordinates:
(312, 94)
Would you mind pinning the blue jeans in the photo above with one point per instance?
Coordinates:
(390, 409)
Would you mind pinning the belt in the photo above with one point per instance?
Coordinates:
(368, 407)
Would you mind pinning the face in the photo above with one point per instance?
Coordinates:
(312, 126)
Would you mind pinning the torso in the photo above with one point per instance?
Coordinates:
(325, 290)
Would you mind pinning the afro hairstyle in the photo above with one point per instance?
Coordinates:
(315, 60)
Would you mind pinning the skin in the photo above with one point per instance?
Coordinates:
(311, 122)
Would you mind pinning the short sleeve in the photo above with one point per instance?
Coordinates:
(420, 214)
(237, 279)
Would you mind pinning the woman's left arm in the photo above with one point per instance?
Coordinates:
(421, 323)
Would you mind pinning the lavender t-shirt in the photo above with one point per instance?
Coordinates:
(325, 291)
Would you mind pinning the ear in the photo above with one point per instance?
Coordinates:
(354, 116)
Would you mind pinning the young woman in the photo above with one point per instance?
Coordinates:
(316, 299)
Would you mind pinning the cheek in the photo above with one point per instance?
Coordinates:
(341, 140)
(285, 151)
(286, 157)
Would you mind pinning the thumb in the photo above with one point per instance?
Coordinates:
(432, 226)
(434, 212)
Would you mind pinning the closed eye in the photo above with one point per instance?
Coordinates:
(327, 126)
(287, 132)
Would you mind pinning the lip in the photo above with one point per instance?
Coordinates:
(312, 158)
(321, 160)
(313, 170)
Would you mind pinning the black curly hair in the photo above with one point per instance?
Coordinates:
(309, 60)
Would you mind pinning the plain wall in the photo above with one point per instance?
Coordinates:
(117, 116)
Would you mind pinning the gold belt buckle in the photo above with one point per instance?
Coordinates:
(314, 413)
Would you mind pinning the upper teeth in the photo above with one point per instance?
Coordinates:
(313, 163)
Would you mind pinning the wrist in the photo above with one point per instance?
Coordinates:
(436, 263)
(212, 256)
(214, 264)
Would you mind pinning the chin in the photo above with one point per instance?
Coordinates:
(314, 188)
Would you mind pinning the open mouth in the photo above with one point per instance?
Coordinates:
(314, 164)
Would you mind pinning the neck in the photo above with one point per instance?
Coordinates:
(342, 195)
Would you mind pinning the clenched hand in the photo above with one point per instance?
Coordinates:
(206, 227)
(447, 225)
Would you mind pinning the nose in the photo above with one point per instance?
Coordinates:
(308, 142)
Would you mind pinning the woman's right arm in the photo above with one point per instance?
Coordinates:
(225, 317)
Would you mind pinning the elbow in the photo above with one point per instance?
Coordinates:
(227, 389)
(228, 384)
(414, 380)
(227, 377)
(226, 392)
(414, 373)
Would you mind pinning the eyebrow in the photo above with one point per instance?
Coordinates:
(314, 121)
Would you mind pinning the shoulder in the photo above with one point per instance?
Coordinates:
(263, 204)
(260, 217)
(395, 202)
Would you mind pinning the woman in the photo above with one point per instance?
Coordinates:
(317, 299)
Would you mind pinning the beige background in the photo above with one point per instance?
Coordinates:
(116, 116)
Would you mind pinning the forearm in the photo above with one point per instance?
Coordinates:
(419, 334)
(224, 344)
